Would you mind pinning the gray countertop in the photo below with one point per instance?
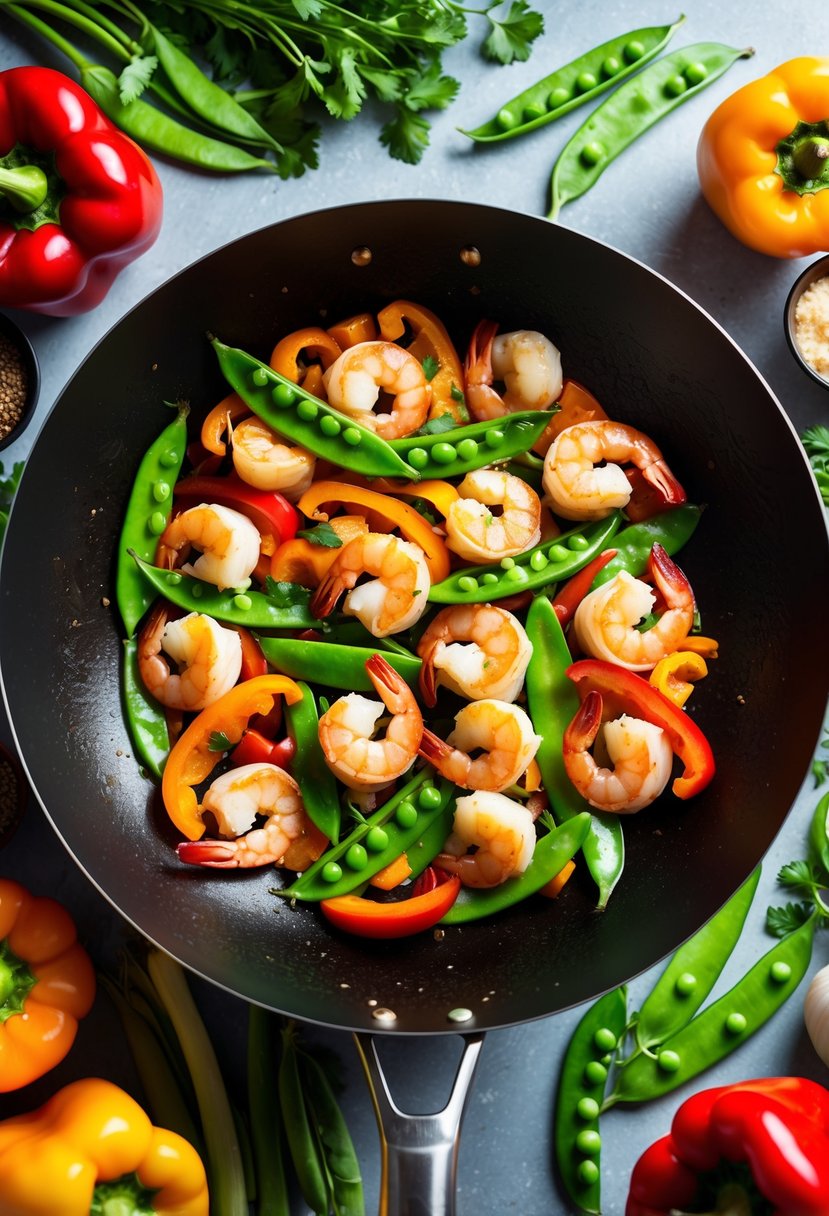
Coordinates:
(648, 205)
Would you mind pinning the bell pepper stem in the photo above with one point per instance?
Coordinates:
(24, 188)
(811, 157)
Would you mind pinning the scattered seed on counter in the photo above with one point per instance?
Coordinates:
(14, 385)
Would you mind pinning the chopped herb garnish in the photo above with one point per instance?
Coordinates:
(287, 595)
(323, 534)
(436, 426)
(815, 440)
(219, 742)
(425, 509)
(430, 367)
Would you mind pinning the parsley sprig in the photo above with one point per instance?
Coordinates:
(815, 440)
(807, 878)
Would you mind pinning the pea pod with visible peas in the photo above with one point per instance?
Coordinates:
(466, 448)
(575, 83)
(320, 795)
(145, 717)
(333, 665)
(299, 1132)
(671, 529)
(546, 563)
(146, 516)
(722, 1026)
(552, 852)
(303, 418)
(581, 1089)
(633, 109)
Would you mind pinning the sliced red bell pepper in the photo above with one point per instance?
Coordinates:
(625, 692)
(367, 918)
(762, 1142)
(255, 748)
(267, 510)
(575, 589)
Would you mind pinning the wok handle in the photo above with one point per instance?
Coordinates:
(419, 1152)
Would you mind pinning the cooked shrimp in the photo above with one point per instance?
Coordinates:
(497, 515)
(354, 381)
(502, 732)
(640, 753)
(606, 619)
(501, 832)
(527, 363)
(263, 459)
(235, 799)
(346, 731)
(577, 489)
(228, 541)
(397, 594)
(476, 651)
(209, 659)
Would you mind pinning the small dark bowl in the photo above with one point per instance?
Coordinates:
(15, 334)
(810, 275)
(11, 815)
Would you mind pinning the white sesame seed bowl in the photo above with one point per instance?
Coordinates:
(19, 381)
(806, 320)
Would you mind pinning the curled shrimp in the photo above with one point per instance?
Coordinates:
(346, 731)
(527, 362)
(476, 651)
(209, 659)
(639, 751)
(606, 619)
(288, 837)
(354, 382)
(263, 459)
(504, 735)
(502, 834)
(228, 541)
(395, 597)
(496, 515)
(577, 489)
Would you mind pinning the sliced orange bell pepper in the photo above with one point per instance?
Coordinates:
(313, 341)
(441, 494)
(365, 918)
(576, 404)
(91, 1148)
(192, 760)
(555, 885)
(409, 522)
(46, 984)
(218, 422)
(709, 648)
(431, 340)
(301, 561)
(392, 875)
(362, 328)
(676, 674)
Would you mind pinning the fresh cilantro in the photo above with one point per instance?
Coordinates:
(218, 742)
(815, 440)
(430, 367)
(431, 91)
(323, 534)
(820, 767)
(8, 488)
(547, 819)
(512, 35)
(782, 921)
(425, 509)
(437, 426)
(135, 77)
(457, 395)
(286, 595)
(406, 136)
(797, 876)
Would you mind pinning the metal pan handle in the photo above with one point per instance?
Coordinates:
(419, 1152)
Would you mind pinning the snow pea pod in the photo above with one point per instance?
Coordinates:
(145, 717)
(693, 970)
(546, 563)
(251, 608)
(466, 448)
(552, 852)
(633, 109)
(581, 1087)
(303, 418)
(320, 795)
(723, 1025)
(601, 68)
(299, 1130)
(146, 516)
(377, 840)
(671, 529)
(819, 833)
(552, 701)
(333, 665)
(338, 1158)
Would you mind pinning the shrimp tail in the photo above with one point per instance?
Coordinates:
(427, 679)
(434, 749)
(478, 362)
(384, 678)
(207, 853)
(582, 731)
(662, 479)
(325, 597)
(669, 579)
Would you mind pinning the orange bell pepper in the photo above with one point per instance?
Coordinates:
(91, 1148)
(556, 885)
(46, 984)
(409, 522)
(192, 760)
(576, 404)
(676, 674)
(441, 494)
(392, 875)
(431, 340)
(763, 160)
(348, 333)
(301, 561)
(231, 409)
(313, 341)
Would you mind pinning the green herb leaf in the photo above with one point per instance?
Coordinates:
(437, 426)
(820, 767)
(511, 36)
(135, 77)
(425, 509)
(815, 440)
(430, 90)
(797, 876)
(8, 489)
(782, 921)
(406, 136)
(430, 367)
(286, 595)
(218, 742)
(323, 534)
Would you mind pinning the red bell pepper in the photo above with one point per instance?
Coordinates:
(78, 199)
(624, 692)
(575, 589)
(256, 748)
(267, 510)
(735, 1146)
(367, 918)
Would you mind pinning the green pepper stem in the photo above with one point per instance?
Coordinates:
(7, 982)
(24, 188)
(811, 157)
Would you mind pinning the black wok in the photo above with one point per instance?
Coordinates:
(758, 564)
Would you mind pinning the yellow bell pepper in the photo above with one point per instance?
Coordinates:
(676, 674)
(92, 1144)
(763, 160)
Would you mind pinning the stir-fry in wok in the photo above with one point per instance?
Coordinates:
(399, 621)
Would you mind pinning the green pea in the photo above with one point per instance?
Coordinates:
(558, 553)
(467, 583)
(633, 50)
(595, 1073)
(259, 377)
(507, 563)
(406, 814)
(668, 1060)
(158, 522)
(494, 437)
(308, 410)
(695, 73)
(735, 1023)
(468, 449)
(675, 85)
(173, 578)
(611, 66)
(578, 542)
(535, 109)
(444, 453)
(516, 574)
(558, 97)
(685, 983)
(605, 1039)
(429, 797)
(418, 458)
(488, 579)
(197, 591)
(587, 1109)
(331, 872)
(330, 426)
(585, 81)
(243, 601)
(539, 560)
(377, 839)
(169, 459)
(507, 119)
(282, 396)
(589, 1142)
(161, 491)
(588, 1172)
(356, 857)
(780, 972)
(352, 437)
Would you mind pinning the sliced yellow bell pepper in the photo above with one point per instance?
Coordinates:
(676, 674)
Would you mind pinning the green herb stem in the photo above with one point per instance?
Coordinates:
(93, 29)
